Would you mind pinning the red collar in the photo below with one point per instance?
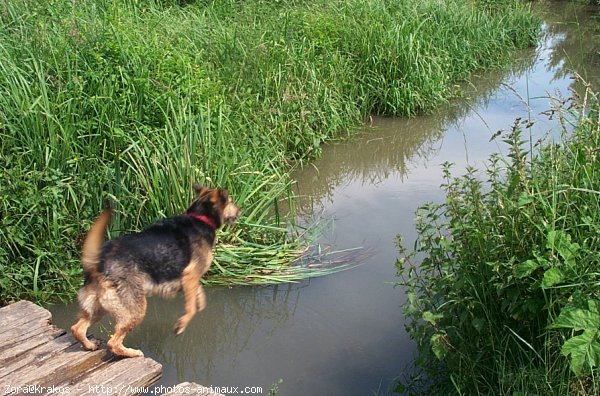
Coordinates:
(204, 219)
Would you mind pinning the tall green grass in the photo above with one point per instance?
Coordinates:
(133, 101)
(503, 283)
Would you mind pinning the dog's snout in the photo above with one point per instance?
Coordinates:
(232, 213)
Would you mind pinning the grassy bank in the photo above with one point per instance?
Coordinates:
(503, 286)
(135, 100)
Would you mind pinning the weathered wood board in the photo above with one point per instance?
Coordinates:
(38, 358)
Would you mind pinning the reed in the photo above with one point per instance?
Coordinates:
(133, 101)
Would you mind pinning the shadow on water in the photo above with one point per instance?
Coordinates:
(344, 334)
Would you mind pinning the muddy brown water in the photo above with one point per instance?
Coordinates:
(344, 334)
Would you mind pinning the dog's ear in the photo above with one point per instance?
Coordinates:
(223, 195)
(198, 188)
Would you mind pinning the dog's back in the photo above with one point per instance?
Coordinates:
(156, 256)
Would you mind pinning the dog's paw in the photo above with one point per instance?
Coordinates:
(125, 352)
(179, 327)
(130, 353)
(91, 345)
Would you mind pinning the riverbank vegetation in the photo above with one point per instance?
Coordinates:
(133, 101)
(503, 283)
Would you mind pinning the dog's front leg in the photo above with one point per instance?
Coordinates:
(200, 298)
(190, 282)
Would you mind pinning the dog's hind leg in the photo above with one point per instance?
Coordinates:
(115, 344)
(79, 329)
(127, 317)
(89, 313)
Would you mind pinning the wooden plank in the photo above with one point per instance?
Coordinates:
(130, 376)
(56, 369)
(36, 355)
(23, 344)
(20, 309)
(191, 388)
(15, 310)
(19, 316)
(14, 336)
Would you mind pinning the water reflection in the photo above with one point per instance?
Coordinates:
(392, 147)
(225, 329)
(574, 30)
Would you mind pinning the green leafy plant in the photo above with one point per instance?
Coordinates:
(502, 285)
(583, 349)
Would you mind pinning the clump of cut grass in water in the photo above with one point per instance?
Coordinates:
(136, 101)
(252, 265)
(503, 283)
(291, 260)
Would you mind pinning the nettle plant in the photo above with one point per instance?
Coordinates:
(504, 275)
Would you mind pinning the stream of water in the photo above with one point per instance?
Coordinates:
(344, 334)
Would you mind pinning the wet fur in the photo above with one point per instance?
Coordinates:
(169, 256)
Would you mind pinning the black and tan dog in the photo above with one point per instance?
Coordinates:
(170, 255)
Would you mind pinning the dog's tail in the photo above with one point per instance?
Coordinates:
(90, 253)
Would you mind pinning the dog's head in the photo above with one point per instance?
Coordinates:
(214, 203)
